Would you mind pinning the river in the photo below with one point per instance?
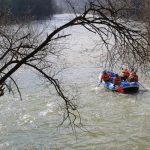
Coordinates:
(114, 121)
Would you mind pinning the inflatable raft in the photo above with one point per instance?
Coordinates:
(125, 87)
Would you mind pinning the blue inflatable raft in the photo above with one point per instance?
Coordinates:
(125, 87)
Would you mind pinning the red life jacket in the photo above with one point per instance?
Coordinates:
(117, 81)
(126, 73)
(105, 77)
(133, 77)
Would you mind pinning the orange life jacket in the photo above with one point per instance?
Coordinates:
(117, 80)
(125, 73)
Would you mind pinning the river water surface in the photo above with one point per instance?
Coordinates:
(114, 121)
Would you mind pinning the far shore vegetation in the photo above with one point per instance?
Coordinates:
(22, 10)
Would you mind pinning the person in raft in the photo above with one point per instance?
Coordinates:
(105, 77)
(133, 77)
(125, 74)
(117, 80)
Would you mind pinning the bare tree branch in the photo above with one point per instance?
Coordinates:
(19, 47)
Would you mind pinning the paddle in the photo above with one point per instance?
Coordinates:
(99, 84)
(142, 86)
